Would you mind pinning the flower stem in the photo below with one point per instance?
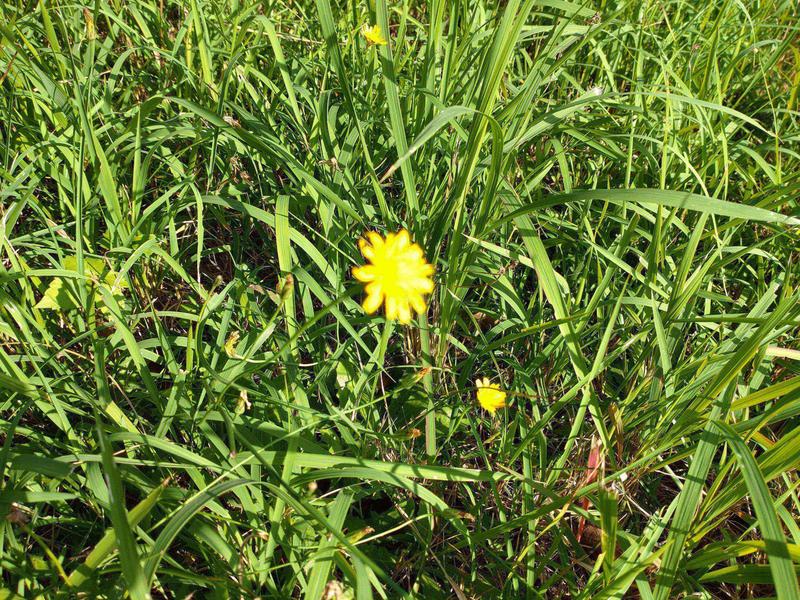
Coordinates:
(388, 327)
(427, 382)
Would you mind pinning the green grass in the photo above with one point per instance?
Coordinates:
(193, 401)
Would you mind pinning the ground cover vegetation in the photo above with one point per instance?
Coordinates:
(444, 299)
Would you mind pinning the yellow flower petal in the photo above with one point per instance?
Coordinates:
(391, 308)
(415, 251)
(424, 285)
(366, 249)
(404, 311)
(364, 274)
(417, 303)
(373, 302)
(402, 240)
(375, 239)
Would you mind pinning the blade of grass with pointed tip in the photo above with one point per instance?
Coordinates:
(108, 542)
(128, 554)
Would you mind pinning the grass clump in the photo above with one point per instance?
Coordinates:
(598, 397)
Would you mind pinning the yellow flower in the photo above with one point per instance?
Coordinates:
(373, 34)
(490, 396)
(399, 275)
